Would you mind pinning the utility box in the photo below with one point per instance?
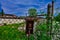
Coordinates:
(29, 24)
(29, 27)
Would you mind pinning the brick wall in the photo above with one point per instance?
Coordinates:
(10, 21)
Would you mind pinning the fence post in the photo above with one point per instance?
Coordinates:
(49, 19)
(50, 10)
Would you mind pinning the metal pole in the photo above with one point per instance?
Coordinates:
(52, 17)
(52, 13)
(49, 21)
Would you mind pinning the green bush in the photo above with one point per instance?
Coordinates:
(11, 32)
(41, 32)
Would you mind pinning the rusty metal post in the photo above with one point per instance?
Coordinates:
(52, 7)
(48, 15)
(52, 14)
(52, 17)
(49, 19)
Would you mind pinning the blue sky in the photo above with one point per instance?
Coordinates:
(20, 7)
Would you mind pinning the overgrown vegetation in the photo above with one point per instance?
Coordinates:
(57, 18)
(41, 32)
(11, 32)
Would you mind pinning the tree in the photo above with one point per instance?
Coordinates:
(57, 18)
(32, 12)
(2, 12)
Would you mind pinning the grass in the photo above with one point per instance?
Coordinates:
(11, 32)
